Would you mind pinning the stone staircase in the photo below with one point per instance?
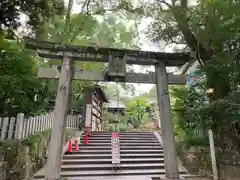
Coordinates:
(141, 155)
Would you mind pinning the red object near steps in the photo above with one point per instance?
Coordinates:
(88, 133)
(116, 135)
(70, 144)
(86, 139)
(76, 146)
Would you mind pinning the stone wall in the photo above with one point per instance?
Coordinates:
(229, 172)
(197, 160)
(22, 159)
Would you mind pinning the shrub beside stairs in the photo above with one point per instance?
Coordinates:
(141, 155)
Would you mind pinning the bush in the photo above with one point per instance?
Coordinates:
(111, 128)
(123, 127)
(193, 140)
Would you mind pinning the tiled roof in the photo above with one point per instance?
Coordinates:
(114, 104)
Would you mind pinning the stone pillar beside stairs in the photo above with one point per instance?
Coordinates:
(157, 117)
(88, 120)
(180, 164)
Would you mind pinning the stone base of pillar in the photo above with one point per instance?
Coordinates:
(164, 178)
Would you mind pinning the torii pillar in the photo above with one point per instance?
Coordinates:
(168, 140)
(63, 101)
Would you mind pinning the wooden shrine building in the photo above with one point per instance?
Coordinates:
(114, 107)
(94, 98)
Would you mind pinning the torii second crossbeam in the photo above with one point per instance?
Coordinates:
(150, 78)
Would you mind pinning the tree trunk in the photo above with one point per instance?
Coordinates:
(180, 15)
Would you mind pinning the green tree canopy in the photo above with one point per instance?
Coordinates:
(38, 12)
(18, 80)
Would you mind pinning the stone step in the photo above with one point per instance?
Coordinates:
(100, 132)
(119, 177)
(142, 133)
(109, 151)
(124, 135)
(86, 147)
(125, 143)
(194, 177)
(107, 161)
(123, 138)
(111, 175)
(74, 175)
(97, 141)
(81, 167)
(129, 134)
(109, 156)
(77, 174)
(122, 141)
(135, 132)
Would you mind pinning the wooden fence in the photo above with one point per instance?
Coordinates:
(21, 127)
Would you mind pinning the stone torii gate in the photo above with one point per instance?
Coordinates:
(117, 60)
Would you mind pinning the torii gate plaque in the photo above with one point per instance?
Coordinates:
(117, 59)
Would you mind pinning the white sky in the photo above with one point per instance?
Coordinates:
(147, 45)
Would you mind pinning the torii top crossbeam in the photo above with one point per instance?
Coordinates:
(54, 50)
